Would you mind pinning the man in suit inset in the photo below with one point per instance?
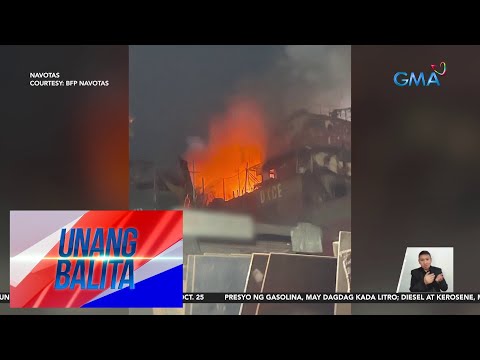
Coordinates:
(427, 278)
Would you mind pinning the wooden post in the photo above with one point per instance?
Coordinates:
(246, 177)
(224, 198)
(193, 176)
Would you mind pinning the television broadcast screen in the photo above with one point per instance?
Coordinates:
(217, 180)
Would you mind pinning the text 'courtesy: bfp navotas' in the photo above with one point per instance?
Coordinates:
(53, 79)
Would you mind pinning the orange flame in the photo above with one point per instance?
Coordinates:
(237, 139)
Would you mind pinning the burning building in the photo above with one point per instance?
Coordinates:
(293, 197)
(310, 182)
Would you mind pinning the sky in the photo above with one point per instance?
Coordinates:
(175, 90)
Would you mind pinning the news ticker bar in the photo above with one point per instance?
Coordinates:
(315, 298)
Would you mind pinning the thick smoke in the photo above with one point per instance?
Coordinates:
(316, 78)
(319, 77)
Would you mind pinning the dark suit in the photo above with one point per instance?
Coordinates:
(418, 285)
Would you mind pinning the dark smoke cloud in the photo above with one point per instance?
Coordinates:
(176, 90)
(320, 76)
(316, 78)
(312, 77)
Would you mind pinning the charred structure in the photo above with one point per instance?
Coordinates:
(308, 183)
(311, 183)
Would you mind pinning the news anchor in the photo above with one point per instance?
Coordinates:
(427, 278)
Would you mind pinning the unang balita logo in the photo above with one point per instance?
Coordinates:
(402, 78)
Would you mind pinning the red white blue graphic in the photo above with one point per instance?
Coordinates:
(96, 259)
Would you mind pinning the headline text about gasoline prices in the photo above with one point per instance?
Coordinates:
(53, 79)
(353, 297)
(329, 297)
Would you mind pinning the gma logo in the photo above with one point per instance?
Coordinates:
(404, 79)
